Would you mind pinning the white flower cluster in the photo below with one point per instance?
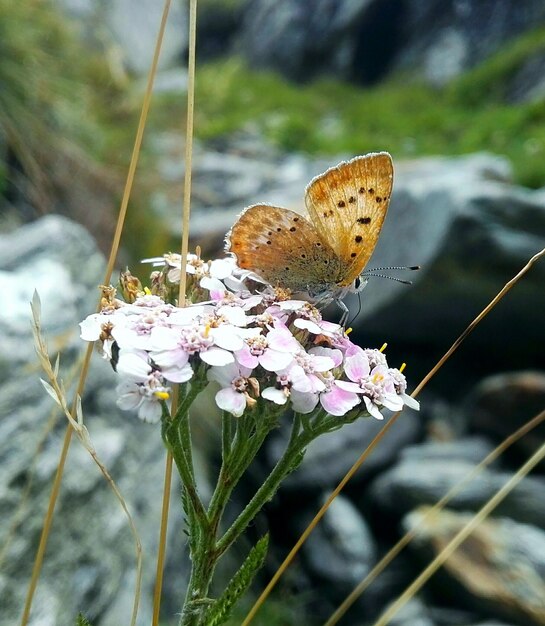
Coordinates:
(254, 346)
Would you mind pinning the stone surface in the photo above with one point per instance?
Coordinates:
(341, 550)
(365, 40)
(129, 29)
(413, 482)
(466, 449)
(328, 458)
(499, 569)
(504, 403)
(90, 559)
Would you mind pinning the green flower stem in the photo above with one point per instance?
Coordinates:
(237, 453)
(252, 429)
(296, 444)
(177, 438)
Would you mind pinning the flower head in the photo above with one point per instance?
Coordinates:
(255, 345)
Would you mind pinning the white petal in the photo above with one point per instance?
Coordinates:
(273, 361)
(221, 268)
(179, 374)
(224, 375)
(234, 315)
(308, 325)
(230, 400)
(274, 395)
(303, 402)
(226, 337)
(372, 409)
(410, 402)
(133, 366)
(150, 411)
(216, 356)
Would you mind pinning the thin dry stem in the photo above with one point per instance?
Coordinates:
(460, 537)
(161, 552)
(284, 565)
(181, 294)
(188, 145)
(409, 536)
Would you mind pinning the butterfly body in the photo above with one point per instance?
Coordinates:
(323, 255)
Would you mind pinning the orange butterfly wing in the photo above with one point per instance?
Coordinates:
(284, 248)
(347, 205)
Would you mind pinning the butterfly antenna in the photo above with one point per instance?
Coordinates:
(393, 267)
(395, 278)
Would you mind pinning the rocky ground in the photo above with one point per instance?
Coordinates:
(471, 230)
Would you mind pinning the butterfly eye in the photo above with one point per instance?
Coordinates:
(357, 283)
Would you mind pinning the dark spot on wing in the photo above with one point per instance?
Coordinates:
(341, 204)
(364, 220)
(358, 238)
(351, 199)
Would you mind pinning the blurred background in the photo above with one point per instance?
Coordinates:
(455, 91)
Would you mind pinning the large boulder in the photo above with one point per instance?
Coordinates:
(363, 40)
(499, 570)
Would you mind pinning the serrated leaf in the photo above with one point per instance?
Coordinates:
(50, 390)
(81, 620)
(221, 610)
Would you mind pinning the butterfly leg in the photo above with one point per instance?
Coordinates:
(345, 311)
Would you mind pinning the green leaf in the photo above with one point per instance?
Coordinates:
(220, 611)
(81, 620)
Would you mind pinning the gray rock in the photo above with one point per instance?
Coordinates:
(90, 559)
(328, 458)
(499, 569)
(501, 404)
(59, 259)
(341, 550)
(467, 449)
(364, 40)
(129, 29)
(413, 482)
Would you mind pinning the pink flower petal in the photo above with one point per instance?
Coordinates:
(334, 354)
(338, 401)
(230, 400)
(303, 402)
(347, 386)
(356, 366)
(282, 340)
(246, 358)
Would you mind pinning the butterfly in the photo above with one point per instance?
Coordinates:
(323, 255)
